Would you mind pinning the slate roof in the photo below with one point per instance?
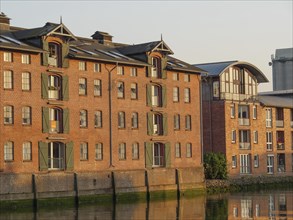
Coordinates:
(138, 48)
(175, 64)
(215, 69)
(8, 41)
(35, 32)
(275, 101)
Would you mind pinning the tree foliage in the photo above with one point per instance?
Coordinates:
(215, 166)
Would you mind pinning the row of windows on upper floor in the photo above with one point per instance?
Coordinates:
(56, 120)
(52, 149)
(245, 139)
(56, 87)
(97, 67)
(245, 162)
(244, 115)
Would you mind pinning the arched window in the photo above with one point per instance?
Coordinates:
(156, 67)
(54, 58)
(55, 120)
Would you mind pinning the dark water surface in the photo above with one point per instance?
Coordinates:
(276, 204)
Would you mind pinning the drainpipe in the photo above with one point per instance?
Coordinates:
(201, 125)
(110, 110)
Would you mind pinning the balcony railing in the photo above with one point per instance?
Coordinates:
(56, 163)
(280, 146)
(52, 61)
(291, 123)
(279, 123)
(244, 146)
(233, 96)
(243, 121)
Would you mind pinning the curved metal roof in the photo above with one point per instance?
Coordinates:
(216, 69)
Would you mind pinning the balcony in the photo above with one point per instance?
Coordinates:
(280, 146)
(234, 96)
(279, 123)
(243, 121)
(52, 61)
(244, 146)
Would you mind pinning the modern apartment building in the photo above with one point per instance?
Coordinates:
(254, 132)
(282, 68)
(90, 104)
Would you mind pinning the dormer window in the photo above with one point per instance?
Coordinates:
(156, 67)
(54, 54)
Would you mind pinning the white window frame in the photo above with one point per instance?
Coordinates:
(26, 81)
(83, 123)
(234, 161)
(7, 57)
(188, 122)
(134, 120)
(175, 76)
(8, 114)
(82, 65)
(97, 87)
(269, 140)
(133, 71)
(97, 68)
(268, 117)
(25, 59)
(177, 150)
(186, 77)
(121, 119)
(270, 164)
(120, 70)
(84, 151)
(122, 151)
(232, 111)
(133, 91)
(98, 119)
(82, 86)
(26, 115)
(175, 94)
(254, 112)
(27, 151)
(187, 95)
(256, 160)
(99, 151)
(245, 164)
(135, 151)
(188, 150)
(9, 151)
(255, 137)
(233, 136)
(8, 79)
(120, 90)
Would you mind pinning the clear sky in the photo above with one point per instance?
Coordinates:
(197, 31)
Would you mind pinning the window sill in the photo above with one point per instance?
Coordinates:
(83, 127)
(8, 124)
(98, 127)
(83, 159)
(26, 161)
(8, 161)
(98, 159)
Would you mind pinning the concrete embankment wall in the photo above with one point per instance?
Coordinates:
(111, 183)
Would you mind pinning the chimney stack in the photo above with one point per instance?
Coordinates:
(4, 22)
(103, 38)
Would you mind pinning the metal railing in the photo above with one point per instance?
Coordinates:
(243, 121)
(279, 123)
(244, 146)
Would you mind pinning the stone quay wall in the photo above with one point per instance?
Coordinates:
(15, 186)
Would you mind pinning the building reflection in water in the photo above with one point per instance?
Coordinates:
(261, 205)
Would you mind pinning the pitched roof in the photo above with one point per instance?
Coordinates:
(275, 101)
(176, 64)
(145, 47)
(215, 69)
(8, 41)
(41, 31)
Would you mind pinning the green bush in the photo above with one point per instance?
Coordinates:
(215, 166)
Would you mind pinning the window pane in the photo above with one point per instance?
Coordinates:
(82, 86)
(8, 79)
(83, 118)
(97, 87)
(26, 81)
(99, 151)
(135, 151)
(26, 151)
(83, 151)
(26, 115)
(8, 151)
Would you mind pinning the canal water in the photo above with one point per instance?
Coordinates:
(245, 205)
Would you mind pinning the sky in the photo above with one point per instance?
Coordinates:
(196, 31)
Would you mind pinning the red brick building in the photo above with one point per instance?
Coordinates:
(73, 103)
(255, 132)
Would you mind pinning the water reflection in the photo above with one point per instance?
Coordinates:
(261, 205)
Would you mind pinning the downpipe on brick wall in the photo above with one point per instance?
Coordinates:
(110, 110)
